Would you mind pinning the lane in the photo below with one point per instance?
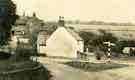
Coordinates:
(64, 72)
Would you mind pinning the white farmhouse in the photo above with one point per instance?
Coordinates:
(64, 42)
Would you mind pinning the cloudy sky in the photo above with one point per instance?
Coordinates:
(105, 10)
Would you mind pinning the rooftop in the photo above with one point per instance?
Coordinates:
(74, 34)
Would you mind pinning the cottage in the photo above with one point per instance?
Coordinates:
(64, 42)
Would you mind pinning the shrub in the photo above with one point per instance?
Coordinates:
(22, 54)
(4, 55)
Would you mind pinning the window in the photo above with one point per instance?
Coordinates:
(42, 44)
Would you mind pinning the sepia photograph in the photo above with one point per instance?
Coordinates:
(67, 40)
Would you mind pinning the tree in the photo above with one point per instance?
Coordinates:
(7, 19)
(93, 41)
(88, 38)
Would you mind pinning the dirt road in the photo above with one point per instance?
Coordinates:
(64, 72)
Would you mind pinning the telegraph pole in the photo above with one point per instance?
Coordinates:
(109, 44)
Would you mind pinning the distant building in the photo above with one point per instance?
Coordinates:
(27, 25)
(20, 28)
(41, 41)
(20, 31)
(128, 50)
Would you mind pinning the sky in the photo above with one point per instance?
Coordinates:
(84, 10)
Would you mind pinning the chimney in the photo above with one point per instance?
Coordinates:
(61, 21)
(34, 14)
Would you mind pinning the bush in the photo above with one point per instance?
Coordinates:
(22, 54)
(25, 71)
(4, 55)
(95, 42)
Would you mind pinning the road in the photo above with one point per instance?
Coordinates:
(64, 72)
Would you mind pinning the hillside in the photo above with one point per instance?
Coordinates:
(122, 32)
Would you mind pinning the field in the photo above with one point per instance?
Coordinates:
(122, 32)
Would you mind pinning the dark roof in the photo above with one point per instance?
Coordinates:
(74, 34)
(71, 31)
(45, 34)
(22, 20)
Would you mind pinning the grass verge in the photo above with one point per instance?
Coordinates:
(88, 66)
